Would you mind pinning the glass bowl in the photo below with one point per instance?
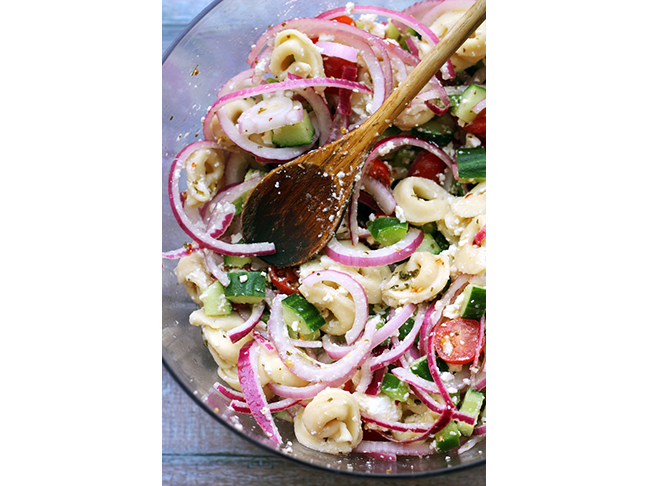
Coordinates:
(210, 51)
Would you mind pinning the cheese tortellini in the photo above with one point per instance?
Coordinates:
(204, 169)
(419, 279)
(471, 51)
(221, 347)
(296, 54)
(421, 200)
(192, 272)
(330, 423)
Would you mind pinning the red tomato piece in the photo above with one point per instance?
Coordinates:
(478, 125)
(344, 19)
(333, 66)
(456, 341)
(284, 279)
(380, 171)
(427, 165)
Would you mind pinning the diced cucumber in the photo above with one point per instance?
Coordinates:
(420, 368)
(214, 301)
(387, 230)
(471, 164)
(440, 130)
(433, 239)
(294, 135)
(245, 287)
(395, 388)
(390, 131)
(474, 303)
(391, 32)
(406, 328)
(448, 438)
(302, 318)
(404, 156)
(469, 98)
(236, 261)
(471, 405)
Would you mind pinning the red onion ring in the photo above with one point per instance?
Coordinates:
(380, 193)
(189, 227)
(239, 332)
(253, 391)
(305, 367)
(479, 237)
(387, 144)
(375, 258)
(388, 357)
(274, 407)
(418, 427)
(335, 49)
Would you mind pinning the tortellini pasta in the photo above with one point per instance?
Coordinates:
(330, 423)
(272, 370)
(415, 114)
(421, 200)
(232, 111)
(335, 304)
(369, 277)
(470, 258)
(221, 347)
(419, 279)
(192, 272)
(204, 169)
(296, 54)
(471, 51)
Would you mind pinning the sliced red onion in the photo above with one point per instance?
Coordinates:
(228, 392)
(481, 430)
(197, 234)
(305, 367)
(253, 391)
(381, 194)
(344, 102)
(261, 338)
(347, 34)
(235, 168)
(335, 49)
(302, 343)
(416, 427)
(404, 374)
(412, 45)
(357, 292)
(235, 83)
(274, 407)
(387, 144)
(479, 107)
(375, 258)
(394, 323)
(179, 253)
(214, 262)
(299, 393)
(269, 114)
(400, 17)
(376, 382)
(388, 357)
(479, 237)
(239, 332)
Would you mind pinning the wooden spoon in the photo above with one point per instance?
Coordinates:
(298, 206)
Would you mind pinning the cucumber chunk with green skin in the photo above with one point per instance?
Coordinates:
(387, 230)
(395, 388)
(471, 405)
(236, 261)
(469, 98)
(302, 318)
(448, 438)
(474, 303)
(439, 130)
(404, 157)
(214, 301)
(471, 164)
(294, 135)
(245, 287)
(420, 368)
(391, 32)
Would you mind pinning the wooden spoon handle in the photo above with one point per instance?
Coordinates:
(427, 68)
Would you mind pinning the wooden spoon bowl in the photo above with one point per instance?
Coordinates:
(299, 205)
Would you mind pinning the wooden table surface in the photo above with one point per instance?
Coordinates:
(196, 450)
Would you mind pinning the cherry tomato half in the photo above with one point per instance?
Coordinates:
(344, 19)
(478, 125)
(456, 341)
(380, 171)
(284, 279)
(427, 165)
